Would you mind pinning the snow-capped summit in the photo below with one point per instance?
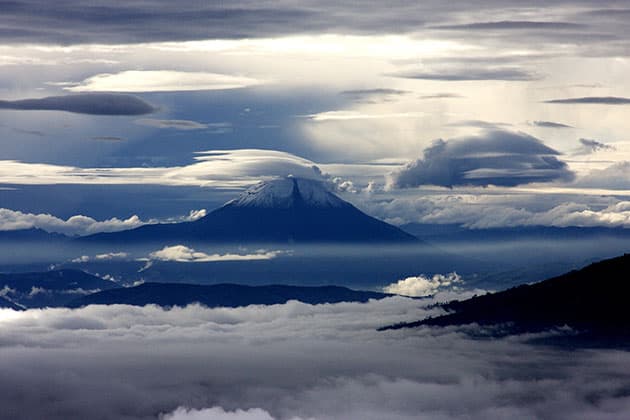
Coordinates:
(281, 210)
(288, 192)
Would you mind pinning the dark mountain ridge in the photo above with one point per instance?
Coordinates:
(223, 295)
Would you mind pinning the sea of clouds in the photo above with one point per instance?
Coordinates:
(291, 361)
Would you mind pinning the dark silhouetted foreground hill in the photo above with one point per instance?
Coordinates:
(593, 299)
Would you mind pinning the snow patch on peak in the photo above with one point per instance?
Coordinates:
(288, 192)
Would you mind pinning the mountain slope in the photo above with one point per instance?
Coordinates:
(593, 299)
(223, 295)
(282, 210)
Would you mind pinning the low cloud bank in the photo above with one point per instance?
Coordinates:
(291, 361)
(479, 212)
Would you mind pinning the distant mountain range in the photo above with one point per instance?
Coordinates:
(31, 235)
(223, 295)
(456, 232)
(49, 288)
(282, 210)
(593, 300)
(74, 288)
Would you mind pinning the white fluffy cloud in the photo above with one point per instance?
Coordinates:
(75, 225)
(422, 285)
(182, 253)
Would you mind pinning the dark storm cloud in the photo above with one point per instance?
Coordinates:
(91, 103)
(496, 157)
(601, 100)
(591, 146)
(550, 124)
(510, 25)
(596, 145)
(471, 74)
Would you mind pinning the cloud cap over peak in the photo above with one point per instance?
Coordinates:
(91, 103)
(496, 157)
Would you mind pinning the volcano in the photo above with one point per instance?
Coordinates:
(282, 210)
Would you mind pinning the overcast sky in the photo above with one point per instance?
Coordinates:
(517, 107)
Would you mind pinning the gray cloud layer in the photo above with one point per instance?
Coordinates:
(511, 25)
(92, 103)
(496, 157)
(39, 21)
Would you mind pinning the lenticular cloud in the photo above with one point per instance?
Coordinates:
(497, 157)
